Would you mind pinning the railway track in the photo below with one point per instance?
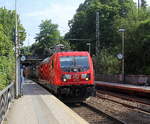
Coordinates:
(125, 97)
(93, 115)
(141, 105)
(108, 108)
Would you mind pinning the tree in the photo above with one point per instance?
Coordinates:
(48, 37)
(114, 15)
(25, 50)
(7, 58)
(83, 24)
(137, 60)
(6, 46)
(136, 40)
(48, 33)
(143, 4)
(7, 19)
(108, 64)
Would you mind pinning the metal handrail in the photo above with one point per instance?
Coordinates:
(6, 96)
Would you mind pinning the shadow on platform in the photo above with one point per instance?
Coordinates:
(32, 88)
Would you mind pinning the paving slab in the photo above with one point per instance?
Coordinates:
(38, 106)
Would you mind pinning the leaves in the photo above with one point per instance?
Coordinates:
(113, 15)
(83, 25)
(7, 71)
(6, 46)
(48, 36)
(7, 20)
(140, 49)
(108, 64)
(48, 33)
(7, 56)
(6, 59)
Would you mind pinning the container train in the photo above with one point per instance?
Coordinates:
(68, 75)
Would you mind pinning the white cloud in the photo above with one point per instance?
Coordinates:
(58, 13)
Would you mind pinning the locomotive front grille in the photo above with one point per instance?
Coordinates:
(75, 76)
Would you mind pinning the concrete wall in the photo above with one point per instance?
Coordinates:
(108, 78)
(138, 79)
(130, 79)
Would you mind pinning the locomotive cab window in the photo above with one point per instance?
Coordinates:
(74, 63)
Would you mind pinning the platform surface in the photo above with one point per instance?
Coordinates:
(145, 89)
(38, 106)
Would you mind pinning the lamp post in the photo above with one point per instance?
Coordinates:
(19, 63)
(138, 6)
(16, 53)
(89, 44)
(123, 39)
(97, 46)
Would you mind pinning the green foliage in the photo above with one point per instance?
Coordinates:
(48, 37)
(66, 43)
(6, 71)
(138, 50)
(26, 50)
(107, 63)
(6, 46)
(114, 14)
(136, 40)
(146, 70)
(48, 34)
(6, 59)
(7, 19)
(143, 3)
(83, 25)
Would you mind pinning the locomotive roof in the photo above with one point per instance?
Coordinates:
(74, 53)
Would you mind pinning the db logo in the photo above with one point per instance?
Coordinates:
(76, 76)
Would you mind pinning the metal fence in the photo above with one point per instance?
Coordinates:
(6, 96)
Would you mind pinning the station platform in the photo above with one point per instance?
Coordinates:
(127, 87)
(38, 106)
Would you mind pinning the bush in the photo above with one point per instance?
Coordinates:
(6, 60)
(6, 71)
(107, 63)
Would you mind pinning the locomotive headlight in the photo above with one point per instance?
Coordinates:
(64, 80)
(86, 79)
(85, 76)
(66, 77)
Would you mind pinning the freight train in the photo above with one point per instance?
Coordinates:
(69, 75)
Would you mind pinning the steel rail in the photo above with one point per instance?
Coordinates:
(124, 97)
(113, 118)
(98, 94)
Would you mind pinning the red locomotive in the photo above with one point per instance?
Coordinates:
(68, 74)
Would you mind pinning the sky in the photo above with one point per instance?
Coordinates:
(32, 12)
